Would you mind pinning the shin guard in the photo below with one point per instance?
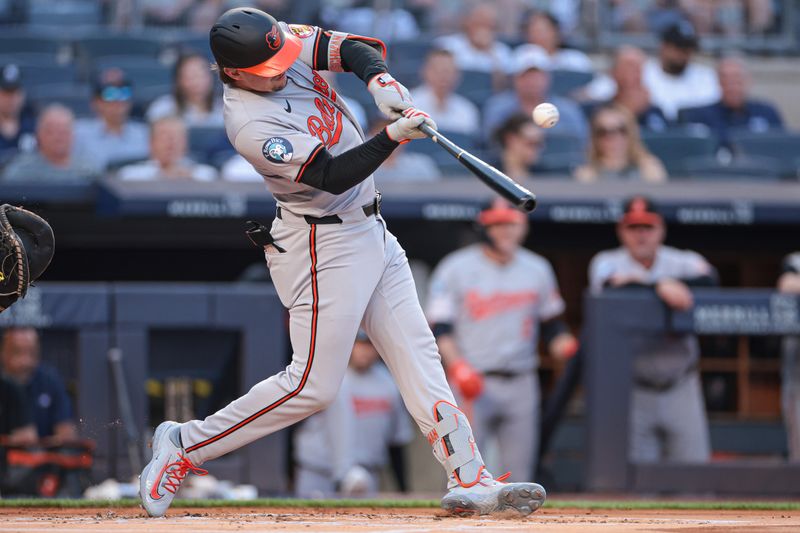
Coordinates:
(454, 446)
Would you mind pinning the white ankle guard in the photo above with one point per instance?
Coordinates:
(454, 446)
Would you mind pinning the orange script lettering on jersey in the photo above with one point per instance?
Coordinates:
(327, 127)
(480, 307)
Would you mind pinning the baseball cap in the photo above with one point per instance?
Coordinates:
(500, 211)
(111, 85)
(640, 211)
(252, 41)
(529, 57)
(10, 77)
(681, 34)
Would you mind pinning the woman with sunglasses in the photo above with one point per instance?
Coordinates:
(616, 151)
(521, 143)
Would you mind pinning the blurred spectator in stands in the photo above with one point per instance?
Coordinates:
(404, 165)
(43, 387)
(53, 160)
(386, 21)
(668, 417)
(542, 29)
(168, 156)
(16, 422)
(16, 126)
(734, 111)
(674, 80)
(476, 47)
(531, 86)
(616, 151)
(789, 283)
(237, 168)
(521, 142)
(625, 88)
(165, 12)
(193, 97)
(112, 137)
(451, 111)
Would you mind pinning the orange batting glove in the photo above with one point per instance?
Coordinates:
(468, 380)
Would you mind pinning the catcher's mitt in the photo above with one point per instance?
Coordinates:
(26, 248)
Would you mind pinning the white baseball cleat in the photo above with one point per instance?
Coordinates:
(491, 495)
(162, 477)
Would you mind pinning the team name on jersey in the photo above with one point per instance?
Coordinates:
(327, 127)
(365, 406)
(481, 307)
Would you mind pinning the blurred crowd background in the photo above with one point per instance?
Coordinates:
(648, 90)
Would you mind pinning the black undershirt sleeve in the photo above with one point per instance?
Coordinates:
(442, 328)
(337, 174)
(359, 58)
(552, 328)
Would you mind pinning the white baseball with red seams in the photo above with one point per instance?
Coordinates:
(546, 115)
(333, 278)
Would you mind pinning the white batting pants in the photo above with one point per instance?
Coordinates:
(332, 278)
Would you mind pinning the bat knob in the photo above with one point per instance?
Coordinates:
(528, 204)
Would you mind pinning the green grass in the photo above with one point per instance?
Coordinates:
(411, 504)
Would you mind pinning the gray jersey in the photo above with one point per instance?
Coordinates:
(661, 359)
(367, 416)
(495, 309)
(279, 132)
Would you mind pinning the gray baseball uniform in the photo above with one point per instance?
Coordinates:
(331, 277)
(668, 418)
(368, 415)
(495, 311)
(790, 391)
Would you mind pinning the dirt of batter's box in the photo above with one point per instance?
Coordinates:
(380, 519)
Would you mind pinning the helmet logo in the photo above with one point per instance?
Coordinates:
(274, 39)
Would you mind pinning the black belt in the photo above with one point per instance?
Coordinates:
(664, 386)
(504, 374)
(372, 208)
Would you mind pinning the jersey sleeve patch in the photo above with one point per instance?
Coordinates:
(303, 31)
(277, 150)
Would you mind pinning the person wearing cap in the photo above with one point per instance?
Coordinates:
(334, 264)
(489, 303)
(368, 403)
(112, 137)
(667, 418)
(674, 80)
(735, 110)
(531, 86)
(16, 125)
(54, 159)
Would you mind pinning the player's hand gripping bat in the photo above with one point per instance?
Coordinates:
(496, 180)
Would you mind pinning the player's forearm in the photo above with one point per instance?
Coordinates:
(789, 282)
(336, 174)
(362, 60)
(448, 349)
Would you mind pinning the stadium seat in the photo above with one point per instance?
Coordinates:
(63, 14)
(204, 142)
(447, 164)
(75, 96)
(476, 86)
(413, 51)
(40, 69)
(353, 88)
(676, 145)
(781, 146)
(31, 44)
(142, 71)
(559, 163)
(564, 82)
(740, 168)
(90, 48)
(555, 144)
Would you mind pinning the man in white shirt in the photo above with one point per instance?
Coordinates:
(451, 111)
(168, 159)
(476, 47)
(674, 80)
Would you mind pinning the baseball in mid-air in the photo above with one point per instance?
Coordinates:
(545, 115)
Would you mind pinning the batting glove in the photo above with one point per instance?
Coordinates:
(390, 95)
(407, 127)
(468, 380)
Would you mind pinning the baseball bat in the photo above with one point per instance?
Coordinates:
(496, 180)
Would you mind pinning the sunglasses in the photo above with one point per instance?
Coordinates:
(116, 94)
(604, 132)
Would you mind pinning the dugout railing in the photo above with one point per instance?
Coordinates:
(611, 320)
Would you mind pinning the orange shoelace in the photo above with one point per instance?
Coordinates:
(178, 470)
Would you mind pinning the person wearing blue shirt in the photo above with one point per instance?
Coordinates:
(44, 390)
(734, 111)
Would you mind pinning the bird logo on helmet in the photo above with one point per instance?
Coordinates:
(274, 38)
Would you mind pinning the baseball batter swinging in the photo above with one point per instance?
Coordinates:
(334, 264)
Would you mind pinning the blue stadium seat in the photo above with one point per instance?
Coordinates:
(204, 142)
(781, 146)
(476, 86)
(564, 82)
(91, 47)
(555, 144)
(75, 96)
(39, 69)
(352, 87)
(677, 145)
(64, 14)
(740, 168)
(413, 51)
(447, 164)
(559, 163)
(30, 44)
(142, 71)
